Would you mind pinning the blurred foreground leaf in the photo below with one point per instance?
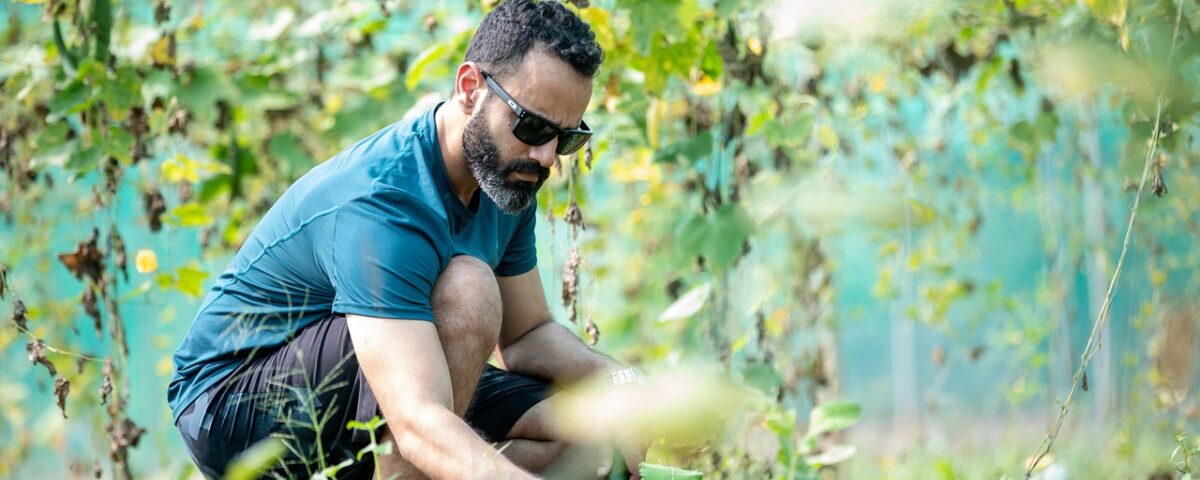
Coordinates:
(256, 460)
(662, 472)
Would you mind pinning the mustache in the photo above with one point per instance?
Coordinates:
(525, 166)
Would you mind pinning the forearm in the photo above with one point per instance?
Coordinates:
(552, 352)
(442, 446)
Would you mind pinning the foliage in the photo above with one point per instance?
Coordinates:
(751, 157)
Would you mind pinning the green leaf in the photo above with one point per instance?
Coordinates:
(199, 91)
(191, 215)
(290, 153)
(121, 92)
(372, 424)
(832, 455)
(692, 149)
(119, 144)
(256, 460)
(74, 98)
(833, 416)
(423, 62)
(762, 377)
(718, 236)
(190, 280)
(651, 471)
(84, 160)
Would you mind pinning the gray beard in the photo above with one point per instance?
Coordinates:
(483, 158)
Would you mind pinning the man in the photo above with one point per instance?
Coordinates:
(383, 279)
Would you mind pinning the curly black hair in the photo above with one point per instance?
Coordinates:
(517, 26)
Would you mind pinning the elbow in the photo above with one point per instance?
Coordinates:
(412, 430)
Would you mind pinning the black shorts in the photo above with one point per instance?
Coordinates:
(309, 389)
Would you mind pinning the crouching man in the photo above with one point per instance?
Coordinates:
(382, 280)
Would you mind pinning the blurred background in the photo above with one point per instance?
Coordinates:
(895, 224)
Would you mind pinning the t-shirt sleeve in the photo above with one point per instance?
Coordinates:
(382, 258)
(520, 255)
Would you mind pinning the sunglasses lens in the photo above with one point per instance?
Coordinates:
(569, 143)
(534, 131)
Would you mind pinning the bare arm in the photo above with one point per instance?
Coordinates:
(405, 366)
(532, 343)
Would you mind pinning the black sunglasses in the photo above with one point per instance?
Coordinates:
(534, 129)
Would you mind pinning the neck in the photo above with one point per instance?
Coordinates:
(450, 125)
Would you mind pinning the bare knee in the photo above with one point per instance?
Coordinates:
(466, 303)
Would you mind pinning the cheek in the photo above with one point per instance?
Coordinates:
(501, 135)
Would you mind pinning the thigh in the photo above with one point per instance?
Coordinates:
(304, 393)
(501, 399)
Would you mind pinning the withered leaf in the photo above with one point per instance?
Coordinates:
(593, 332)
(116, 246)
(106, 386)
(61, 388)
(37, 355)
(1085, 385)
(19, 313)
(178, 121)
(162, 12)
(93, 309)
(587, 155)
(574, 216)
(569, 280)
(155, 207)
(1159, 187)
(124, 435)
(3, 280)
(86, 260)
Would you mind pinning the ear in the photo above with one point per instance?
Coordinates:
(469, 87)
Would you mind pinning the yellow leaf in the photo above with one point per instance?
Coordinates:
(146, 261)
(164, 367)
(827, 137)
(755, 45)
(654, 116)
(160, 52)
(878, 83)
(706, 86)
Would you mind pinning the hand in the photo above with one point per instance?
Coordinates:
(634, 453)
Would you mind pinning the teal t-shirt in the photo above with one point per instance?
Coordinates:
(367, 232)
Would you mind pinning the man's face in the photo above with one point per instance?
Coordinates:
(509, 171)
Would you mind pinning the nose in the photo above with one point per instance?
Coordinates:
(544, 154)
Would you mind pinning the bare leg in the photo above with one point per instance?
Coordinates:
(535, 445)
(467, 310)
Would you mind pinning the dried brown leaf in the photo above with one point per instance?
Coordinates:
(569, 279)
(1085, 383)
(19, 314)
(61, 388)
(155, 207)
(162, 12)
(86, 260)
(93, 309)
(37, 355)
(3, 280)
(126, 435)
(593, 332)
(574, 216)
(106, 386)
(116, 246)
(1159, 187)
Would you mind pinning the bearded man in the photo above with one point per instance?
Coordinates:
(382, 281)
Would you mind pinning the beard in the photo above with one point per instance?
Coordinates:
(483, 158)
